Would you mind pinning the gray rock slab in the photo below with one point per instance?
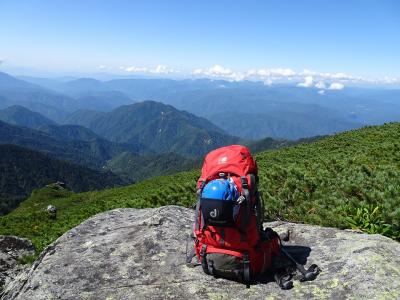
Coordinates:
(140, 254)
(12, 250)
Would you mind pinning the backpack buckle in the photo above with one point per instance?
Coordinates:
(245, 183)
(241, 199)
(246, 259)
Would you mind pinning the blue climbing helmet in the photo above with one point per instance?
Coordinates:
(220, 189)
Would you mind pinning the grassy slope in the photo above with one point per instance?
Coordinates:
(347, 175)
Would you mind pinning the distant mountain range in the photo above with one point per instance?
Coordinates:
(22, 170)
(52, 103)
(256, 110)
(139, 150)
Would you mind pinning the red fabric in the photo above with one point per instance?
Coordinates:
(234, 159)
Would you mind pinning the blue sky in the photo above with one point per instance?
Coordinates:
(361, 38)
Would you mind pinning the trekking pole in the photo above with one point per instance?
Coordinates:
(309, 274)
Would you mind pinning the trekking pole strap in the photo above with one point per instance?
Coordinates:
(190, 255)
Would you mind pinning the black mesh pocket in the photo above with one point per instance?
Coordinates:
(217, 212)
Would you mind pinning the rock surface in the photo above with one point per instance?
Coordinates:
(12, 250)
(139, 254)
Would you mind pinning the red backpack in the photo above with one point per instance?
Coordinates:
(236, 249)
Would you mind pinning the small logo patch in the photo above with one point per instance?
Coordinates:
(222, 160)
(214, 213)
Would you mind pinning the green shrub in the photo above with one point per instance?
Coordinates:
(371, 220)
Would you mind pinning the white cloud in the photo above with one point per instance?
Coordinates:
(389, 80)
(341, 76)
(321, 92)
(101, 67)
(307, 72)
(159, 69)
(266, 75)
(336, 86)
(198, 72)
(283, 72)
(308, 82)
(277, 73)
(251, 72)
(134, 69)
(162, 69)
(218, 71)
(320, 85)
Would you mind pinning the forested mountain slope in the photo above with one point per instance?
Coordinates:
(21, 116)
(93, 153)
(162, 128)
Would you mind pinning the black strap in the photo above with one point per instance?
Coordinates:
(196, 214)
(189, 258)
(253, 184)
(284, 280)
(222, 239)
(246, 269)
(192, 253)
(210, 265)
(245, 217)
(259, 210)
(203, 254)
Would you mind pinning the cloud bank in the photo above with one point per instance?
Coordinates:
(159, 69)
(306, 78)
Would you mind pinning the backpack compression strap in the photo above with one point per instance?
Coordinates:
(191, 243)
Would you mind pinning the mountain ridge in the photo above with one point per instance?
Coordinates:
(91, 153)
(21, 116)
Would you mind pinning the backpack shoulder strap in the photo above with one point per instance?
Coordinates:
(245, 217)
(197, 209)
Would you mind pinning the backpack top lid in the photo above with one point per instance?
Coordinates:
(220, 189)
(234, 159)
